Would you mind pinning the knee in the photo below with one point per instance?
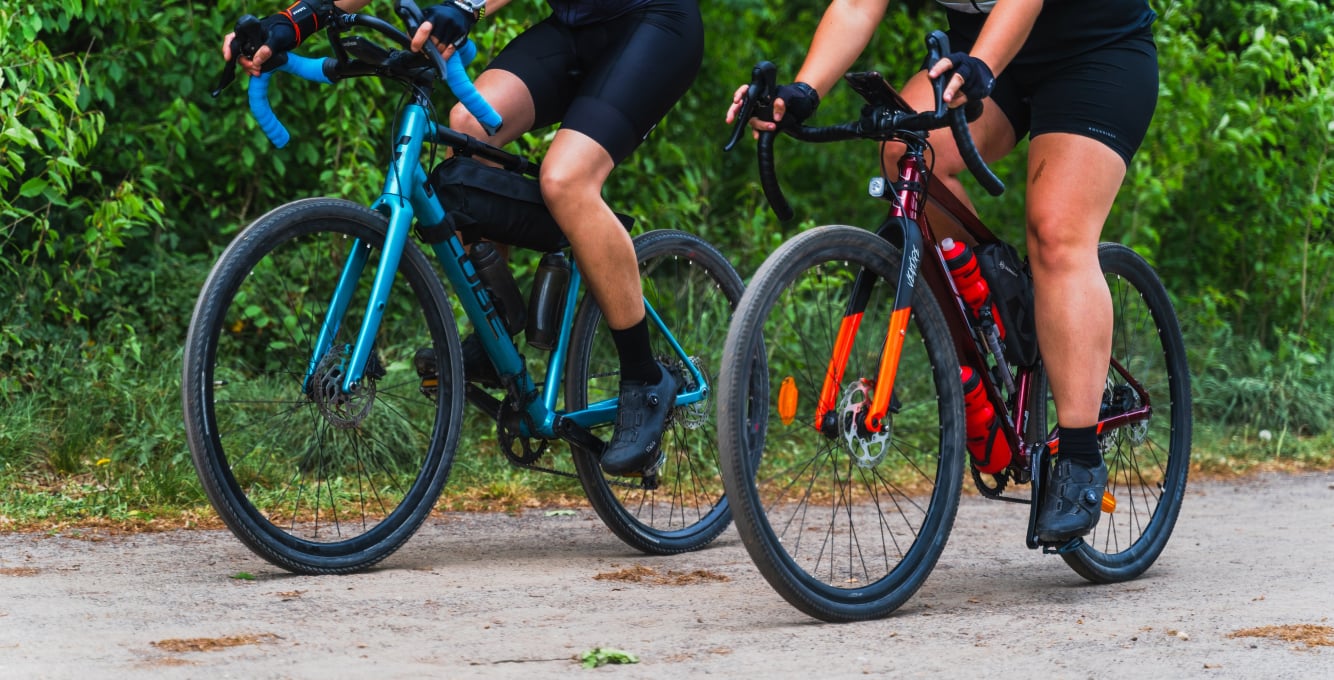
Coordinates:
(461, 120)
(1060, 246)
(562, 187)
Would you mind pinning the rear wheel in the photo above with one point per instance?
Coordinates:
(844, 523)
(310, 478)
(1147, 461)
(693, 289)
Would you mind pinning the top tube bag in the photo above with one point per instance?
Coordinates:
(486, 202)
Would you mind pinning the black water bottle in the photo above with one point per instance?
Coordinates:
(495, 274)
(546, 302)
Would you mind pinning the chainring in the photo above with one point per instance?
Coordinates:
(518, 449)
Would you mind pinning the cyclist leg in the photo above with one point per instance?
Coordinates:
(1072, 183)
(509, 96)
(573, 173)
(631, 71)
(1089, 116)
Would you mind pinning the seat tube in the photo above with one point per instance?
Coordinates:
(560, 355)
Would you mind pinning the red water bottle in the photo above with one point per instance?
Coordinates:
(968, 279)
(986, 441)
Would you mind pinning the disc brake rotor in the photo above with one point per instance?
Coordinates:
(343, 410)
(866, 448)
(1118, 399)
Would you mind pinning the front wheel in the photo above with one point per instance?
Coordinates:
(846, 524)
(1147, 462)
(693, 289)
(312, 478)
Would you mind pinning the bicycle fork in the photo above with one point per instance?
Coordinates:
(873, 420)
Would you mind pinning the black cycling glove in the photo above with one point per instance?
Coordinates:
(450, 22)
(977, 77)
(801, 100)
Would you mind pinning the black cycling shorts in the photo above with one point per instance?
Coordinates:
(1107, 94)
(613, 80)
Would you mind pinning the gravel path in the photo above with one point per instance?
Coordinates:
(1244, 590)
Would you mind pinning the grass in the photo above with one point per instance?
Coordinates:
(119, 498)
(101, 445)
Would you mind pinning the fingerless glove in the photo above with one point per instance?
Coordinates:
(801, 101)
(977, 77)
(450, 22)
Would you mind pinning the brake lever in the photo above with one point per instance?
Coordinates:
(759, 95)
(937, 46)
(410, 13)
(412, 18)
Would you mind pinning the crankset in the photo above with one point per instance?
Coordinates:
(994, 488)
(518, 449)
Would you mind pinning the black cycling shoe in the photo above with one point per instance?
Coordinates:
(1072, 503)
(641, 417)
(477, 367)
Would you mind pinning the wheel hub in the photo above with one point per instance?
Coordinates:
(1118, 399)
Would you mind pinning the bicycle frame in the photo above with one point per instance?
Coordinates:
(904, 226)
(401, 201)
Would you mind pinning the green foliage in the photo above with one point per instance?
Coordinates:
(601, 656)
(121, 178)
(1234, 185)
(1288, 390)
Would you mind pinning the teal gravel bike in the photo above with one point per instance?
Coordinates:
(320, 441)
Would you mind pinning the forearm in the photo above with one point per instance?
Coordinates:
(844, 31)
(1004, 33)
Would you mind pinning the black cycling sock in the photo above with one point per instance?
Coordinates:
(1080, 444)
(637, 362)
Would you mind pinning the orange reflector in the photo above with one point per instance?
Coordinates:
(787, 400)
(1108, 502)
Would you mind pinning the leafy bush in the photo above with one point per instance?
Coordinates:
(121, 178)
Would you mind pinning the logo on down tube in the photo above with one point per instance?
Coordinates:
(914, 259)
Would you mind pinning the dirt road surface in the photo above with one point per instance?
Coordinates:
(1244, 590)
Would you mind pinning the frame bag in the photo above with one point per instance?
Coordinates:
(486, 202)
(1012, 292)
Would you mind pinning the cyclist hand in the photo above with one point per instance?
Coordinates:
(792, 105)
(279, 38)
(446, 25)
(970, 77)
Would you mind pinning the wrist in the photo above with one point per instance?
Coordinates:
(477, 8)
(307, 17)
(807, 90)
